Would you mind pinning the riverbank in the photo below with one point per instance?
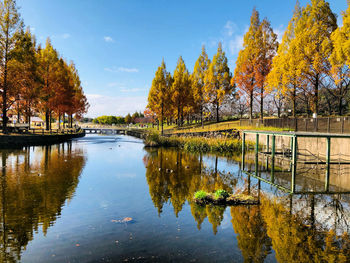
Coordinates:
(197, 144)
(20, 140)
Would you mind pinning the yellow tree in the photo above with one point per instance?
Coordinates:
(244, 75)
(159, 94)
(313, 44)
(285, 77)
(266, 47)
(217, 80)
(181, 89)
(340, 60)
(198, 80)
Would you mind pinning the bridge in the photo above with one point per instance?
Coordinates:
(103, 130)
(139, 133)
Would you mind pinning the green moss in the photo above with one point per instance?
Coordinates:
(200, 194)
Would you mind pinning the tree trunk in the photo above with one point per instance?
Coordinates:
(294, 98)
(217, 111)
(18, 113)
(340, 106)
(251, 105)
(71, 120)
(50, 122)
(316, 93)
(202, 123)
(178, 115)
(47, 120)
(162, 119)
(262, 103)
(4, 92)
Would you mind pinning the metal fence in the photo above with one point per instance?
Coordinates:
(322, 124)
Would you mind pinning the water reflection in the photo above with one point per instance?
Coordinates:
(294, 228)
(35, 185)
(175, 176)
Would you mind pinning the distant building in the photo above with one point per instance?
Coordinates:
(36, 122)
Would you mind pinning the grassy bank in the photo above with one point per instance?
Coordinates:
(197, 144)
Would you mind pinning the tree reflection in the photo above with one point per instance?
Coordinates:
(295, 241)
(175, 176)
(309, 228)
(35, 184)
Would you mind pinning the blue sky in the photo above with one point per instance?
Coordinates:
(118, 45)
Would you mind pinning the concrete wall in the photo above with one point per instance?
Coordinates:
(310, 148)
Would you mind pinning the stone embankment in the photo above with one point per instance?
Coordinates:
(20, 140)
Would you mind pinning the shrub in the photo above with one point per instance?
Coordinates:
(200, 194)
(220, 194)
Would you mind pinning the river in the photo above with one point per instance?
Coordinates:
(109, 199)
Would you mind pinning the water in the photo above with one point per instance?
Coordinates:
(67, 202)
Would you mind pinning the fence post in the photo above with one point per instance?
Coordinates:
(256, 154)
(342, 125)
(273, 158)
(243, 150)
(306, 124)
(294, 162)
(328, 158)
(267, 150)
(315, 124)
(328, 125)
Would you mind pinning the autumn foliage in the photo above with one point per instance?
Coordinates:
(35, 80)
(308, 72)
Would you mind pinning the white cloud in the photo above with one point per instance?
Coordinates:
(231, 37)
(122, 69)
(108, 39)
(230, 28)
(61, 36)
(132, 90)
(109, 105)
(236, 44)
(112, 84)
(65, 36)
(279, 31)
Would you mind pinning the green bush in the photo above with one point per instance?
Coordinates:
(200, 194)
(220, 194)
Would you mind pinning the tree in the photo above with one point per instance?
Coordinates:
(128, 119)
(217, 80)
(159, 94)
(79, 104)
(340, 61)
(10, 26)
(198, 81)
(245, 75)
(285, 78)
(313, 45)
(23, 74)
(48, 63)
(266, 46)
(180, 90)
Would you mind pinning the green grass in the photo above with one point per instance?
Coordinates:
(198, 144)
(220, 194)
(200, 194)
